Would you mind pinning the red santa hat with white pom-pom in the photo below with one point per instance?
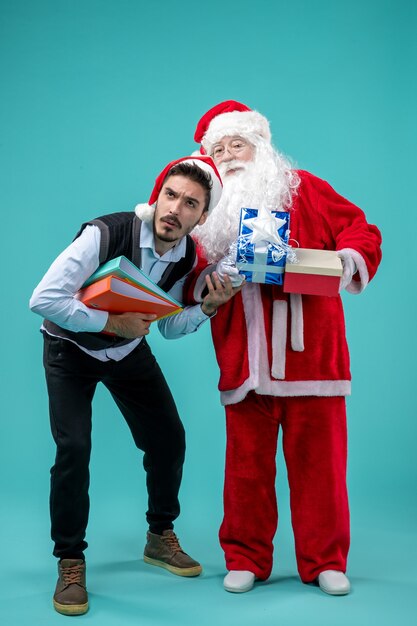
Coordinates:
(227, 119)
(146, 211)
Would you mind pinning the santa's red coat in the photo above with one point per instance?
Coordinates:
(291, 345)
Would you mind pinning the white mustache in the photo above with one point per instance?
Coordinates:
(231, 165)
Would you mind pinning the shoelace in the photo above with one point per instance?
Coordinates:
(72, 574)
(172, 542)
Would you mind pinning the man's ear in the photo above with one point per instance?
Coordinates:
(202, 218)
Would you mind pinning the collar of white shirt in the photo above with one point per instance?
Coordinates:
(147, 241)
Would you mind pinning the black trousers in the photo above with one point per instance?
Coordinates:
(140, 391)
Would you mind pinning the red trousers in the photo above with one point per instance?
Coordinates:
(315, 451)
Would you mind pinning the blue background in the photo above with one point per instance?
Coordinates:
(97, 96)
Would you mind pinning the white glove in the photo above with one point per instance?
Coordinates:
(349, 269)
(226, 267)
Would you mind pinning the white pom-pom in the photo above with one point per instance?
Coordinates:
(145, 212)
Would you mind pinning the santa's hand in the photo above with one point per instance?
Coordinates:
(226, 267)
(349, 269)
(219, 292)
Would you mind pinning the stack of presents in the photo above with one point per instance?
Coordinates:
(264, 256)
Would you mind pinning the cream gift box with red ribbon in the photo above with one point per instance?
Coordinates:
(314, 272)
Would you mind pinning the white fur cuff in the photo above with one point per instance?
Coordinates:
(355, 286)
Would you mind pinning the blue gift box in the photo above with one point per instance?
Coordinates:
(262, 245)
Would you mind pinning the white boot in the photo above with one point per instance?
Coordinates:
(239, 581)
(333, 582)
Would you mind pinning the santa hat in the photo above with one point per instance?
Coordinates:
(146, 211)
(227, 119)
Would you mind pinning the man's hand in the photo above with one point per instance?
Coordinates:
(129, 325)
(218, 293)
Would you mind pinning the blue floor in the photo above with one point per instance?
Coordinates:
(124, 590)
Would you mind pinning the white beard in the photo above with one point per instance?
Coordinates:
(268, 181)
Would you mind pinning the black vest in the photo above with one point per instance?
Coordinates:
(120, 235)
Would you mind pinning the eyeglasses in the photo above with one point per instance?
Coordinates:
(235, 147)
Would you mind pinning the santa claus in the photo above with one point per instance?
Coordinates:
(283, 358)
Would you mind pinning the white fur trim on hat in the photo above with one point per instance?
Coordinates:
(145, 212)
(241, 123)
(216, 184)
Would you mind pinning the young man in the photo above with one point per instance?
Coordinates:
(77, 356)
(283, 358)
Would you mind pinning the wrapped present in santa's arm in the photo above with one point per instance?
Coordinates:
(313, 272)
(262, 245)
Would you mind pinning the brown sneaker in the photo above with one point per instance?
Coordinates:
(165, 551)
(70, 597)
